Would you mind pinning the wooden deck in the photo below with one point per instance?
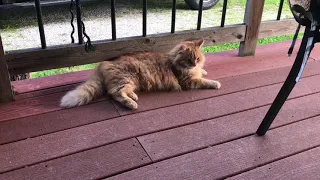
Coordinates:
(204, 134)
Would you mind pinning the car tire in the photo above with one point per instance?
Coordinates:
(207, 4)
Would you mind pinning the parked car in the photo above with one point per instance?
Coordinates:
(207, 4)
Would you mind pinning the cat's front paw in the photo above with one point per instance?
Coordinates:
(132, 105)
(133, 96)
(176, 88)
(215, 84)
(204, 72)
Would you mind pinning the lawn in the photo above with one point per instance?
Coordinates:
(13, 26)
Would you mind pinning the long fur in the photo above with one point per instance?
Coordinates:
(180, 69)
(84, 93)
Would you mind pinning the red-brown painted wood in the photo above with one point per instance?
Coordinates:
(269, 56)
(33, 106)
(188, 138)
(148, 101)
(234, 157)
(228, 62)
(44, 92)
(50, 81)
(68, 149)
(26, 127)
(50, 122)
(43, 148)
(77, 139)
(92, 164)
(301, 166)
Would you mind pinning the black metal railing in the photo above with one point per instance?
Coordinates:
(113, 19)
(79, 22)
(40, 24)
(280, 9)
(200, 14)
(144, 18)
(224, 11)
(173, 16)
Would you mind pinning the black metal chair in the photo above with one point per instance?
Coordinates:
(306, 13)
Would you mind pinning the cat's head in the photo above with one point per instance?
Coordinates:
(188, 54)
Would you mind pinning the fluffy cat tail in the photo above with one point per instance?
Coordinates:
(84, 93)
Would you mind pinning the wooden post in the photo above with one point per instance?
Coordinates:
(6, 94)
(252, 19)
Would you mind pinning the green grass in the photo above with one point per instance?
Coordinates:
(61, 70)
(221, 47)
(231, 46)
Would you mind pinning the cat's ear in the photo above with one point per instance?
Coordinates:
(200, 43)
(182, 47)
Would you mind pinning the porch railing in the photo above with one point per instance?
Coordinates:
(37, 59)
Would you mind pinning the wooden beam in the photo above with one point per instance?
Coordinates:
(24, 61)
(278, 28)
(252, 19)
(6, 94)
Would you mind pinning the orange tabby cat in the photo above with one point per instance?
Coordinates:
(180, 69)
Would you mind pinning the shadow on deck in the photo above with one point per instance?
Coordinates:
(204, 134)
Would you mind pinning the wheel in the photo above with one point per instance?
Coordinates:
(207, 4)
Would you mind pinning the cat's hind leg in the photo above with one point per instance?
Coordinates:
(126, 96)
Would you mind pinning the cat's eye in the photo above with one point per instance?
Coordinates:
(198, 59)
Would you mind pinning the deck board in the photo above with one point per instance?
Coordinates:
(301, 166)
(33, 106)
(30, 106)
(92, 164)
(43, 123)
(43, 92)
(234, 157)
(31, 126)
(30, 85)
(173, 142)
(204, 134)
(84, 137)
(148, 101)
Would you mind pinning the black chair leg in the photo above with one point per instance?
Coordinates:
(288, 85)
(294, 40)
